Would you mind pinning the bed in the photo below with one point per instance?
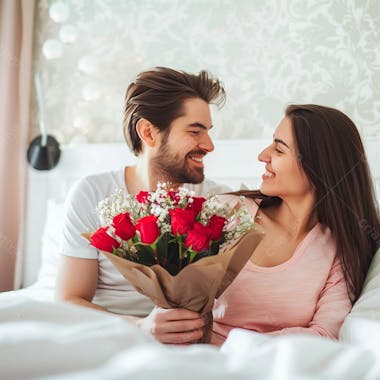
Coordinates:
(40, 338)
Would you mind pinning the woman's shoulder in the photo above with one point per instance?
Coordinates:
(320, 243)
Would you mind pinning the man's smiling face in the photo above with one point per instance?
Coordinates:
(180, 155)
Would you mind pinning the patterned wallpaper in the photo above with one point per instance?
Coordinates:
(268, 53)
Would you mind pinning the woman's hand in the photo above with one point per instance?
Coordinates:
(176, 326)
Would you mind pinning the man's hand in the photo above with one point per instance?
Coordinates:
(175, 326)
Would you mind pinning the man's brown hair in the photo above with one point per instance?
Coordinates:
(158, 95)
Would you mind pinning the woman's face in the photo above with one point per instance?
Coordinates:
(284, 176)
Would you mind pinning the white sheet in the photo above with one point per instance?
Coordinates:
(62, 341)
(38, 339)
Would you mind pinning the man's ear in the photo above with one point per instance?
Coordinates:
(147, 132)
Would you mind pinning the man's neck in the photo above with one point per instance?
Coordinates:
(141, 178)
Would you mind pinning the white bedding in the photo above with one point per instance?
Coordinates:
(42, 339)
(61, 341)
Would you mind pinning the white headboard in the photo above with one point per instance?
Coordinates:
(233, 162)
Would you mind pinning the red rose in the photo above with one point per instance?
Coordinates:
(216, 225)
(148, 228)
(174, 196)
(196, 204)
(142, 197)
(181, 220)
(198, 238)
(101, 240)
(124, 227)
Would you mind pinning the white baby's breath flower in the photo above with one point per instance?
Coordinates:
(239, 221)
(213, 206)
(159, 211)
(165, 227)
(117, 203)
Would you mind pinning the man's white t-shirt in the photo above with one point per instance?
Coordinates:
(113, 291)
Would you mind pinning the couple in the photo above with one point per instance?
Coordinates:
(315, 193)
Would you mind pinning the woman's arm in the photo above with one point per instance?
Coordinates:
(331, 309)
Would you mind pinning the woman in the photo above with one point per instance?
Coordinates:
(310, 267)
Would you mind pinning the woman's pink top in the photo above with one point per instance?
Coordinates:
(306, 294)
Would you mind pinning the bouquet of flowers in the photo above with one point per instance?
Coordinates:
(178, 249)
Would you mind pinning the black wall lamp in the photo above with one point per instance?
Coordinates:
(44, 151)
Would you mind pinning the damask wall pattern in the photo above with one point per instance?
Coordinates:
(268, 53)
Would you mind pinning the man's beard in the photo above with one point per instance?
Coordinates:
(174, 168)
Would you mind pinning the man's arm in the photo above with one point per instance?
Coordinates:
(77, 280)
(78, 268)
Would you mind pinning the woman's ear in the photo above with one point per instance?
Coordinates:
(147, 132)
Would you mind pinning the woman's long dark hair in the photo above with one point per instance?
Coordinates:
(332, 155)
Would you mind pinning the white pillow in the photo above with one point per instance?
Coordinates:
(51, 243)
(362, 325)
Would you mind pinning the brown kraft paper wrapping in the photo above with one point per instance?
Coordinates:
(197, 285)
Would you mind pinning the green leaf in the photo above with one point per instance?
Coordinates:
(162, 249)
(125, 254)
(214, 248)
(173, 264)
(193, 254)
(145, 255)
(118, 252)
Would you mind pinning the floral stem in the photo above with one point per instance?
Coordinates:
(154, 248)
(180, 250)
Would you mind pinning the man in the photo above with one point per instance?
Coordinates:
(166, 124)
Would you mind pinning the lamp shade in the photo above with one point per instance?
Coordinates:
(44, 157)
